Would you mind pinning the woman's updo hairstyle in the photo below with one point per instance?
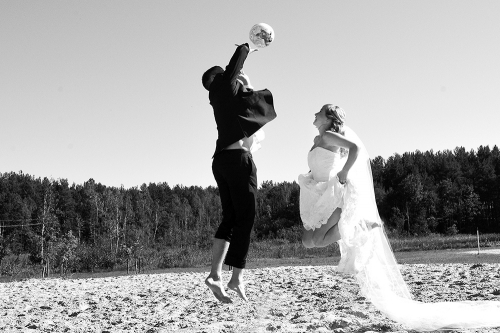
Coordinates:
(337, 116)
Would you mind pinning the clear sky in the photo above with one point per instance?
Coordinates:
(111, 90)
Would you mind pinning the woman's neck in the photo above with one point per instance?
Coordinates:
(322, 129)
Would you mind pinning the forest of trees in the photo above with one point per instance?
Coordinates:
(83, 227)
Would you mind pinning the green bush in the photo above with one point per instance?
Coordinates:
(17, 266)
(92, 258)
(452, 231)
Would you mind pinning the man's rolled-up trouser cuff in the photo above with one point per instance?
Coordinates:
(235, 263)
(223, 234)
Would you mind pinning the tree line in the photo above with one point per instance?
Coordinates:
(443, 192)
(89, 226)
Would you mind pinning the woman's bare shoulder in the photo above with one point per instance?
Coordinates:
(336, 139)
(332, 133)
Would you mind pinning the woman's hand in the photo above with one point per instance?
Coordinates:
(342, 176)
(251, 50)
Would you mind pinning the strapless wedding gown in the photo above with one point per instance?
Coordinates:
(320, 191)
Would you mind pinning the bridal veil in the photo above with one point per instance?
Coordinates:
(367, 255)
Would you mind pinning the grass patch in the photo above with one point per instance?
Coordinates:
(453, 256)
(278, 248)
(431, 249)
(439, 242)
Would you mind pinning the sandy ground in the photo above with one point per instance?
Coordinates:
(282, 299)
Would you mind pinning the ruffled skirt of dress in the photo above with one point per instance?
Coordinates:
(318, 200)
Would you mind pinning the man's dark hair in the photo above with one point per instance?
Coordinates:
(209, 75)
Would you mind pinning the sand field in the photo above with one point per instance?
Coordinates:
(281, 299)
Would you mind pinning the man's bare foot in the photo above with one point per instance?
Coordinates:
(219, 292)
(239, 288)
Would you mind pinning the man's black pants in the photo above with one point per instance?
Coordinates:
(236, 177)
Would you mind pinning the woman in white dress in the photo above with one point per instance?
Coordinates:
(337, 203)
(321, 196)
